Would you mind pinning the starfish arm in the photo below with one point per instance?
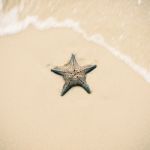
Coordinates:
(85, 85)
(89, 68)
(73, 60)
(58, 70)
(65, 89)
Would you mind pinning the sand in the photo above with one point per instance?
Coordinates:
(34, 116)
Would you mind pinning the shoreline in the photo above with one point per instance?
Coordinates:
(52, 23)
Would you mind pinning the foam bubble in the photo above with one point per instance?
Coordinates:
(1, 5)
(139, 2)
(10, 24)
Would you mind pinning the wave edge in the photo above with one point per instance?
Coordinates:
(10, 24)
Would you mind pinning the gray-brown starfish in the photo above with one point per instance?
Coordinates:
(74, 75)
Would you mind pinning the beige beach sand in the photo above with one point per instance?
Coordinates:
(33, 115)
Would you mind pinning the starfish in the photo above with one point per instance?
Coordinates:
(74, 75)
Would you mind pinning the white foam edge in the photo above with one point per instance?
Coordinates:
(139, 2)
(10, 24)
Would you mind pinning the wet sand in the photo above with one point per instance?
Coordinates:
(33, 115)
(124, 24)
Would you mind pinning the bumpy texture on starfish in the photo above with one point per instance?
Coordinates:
(73, 74)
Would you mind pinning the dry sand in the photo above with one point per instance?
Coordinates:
(33, 115)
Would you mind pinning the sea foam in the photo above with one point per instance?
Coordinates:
(11, 24)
